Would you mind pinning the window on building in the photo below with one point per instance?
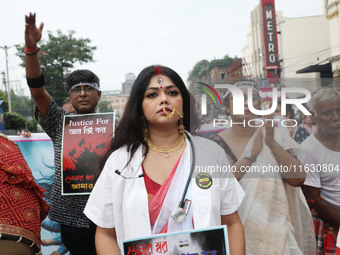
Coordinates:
(222, 76)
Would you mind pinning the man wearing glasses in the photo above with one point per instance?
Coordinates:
(77, 230)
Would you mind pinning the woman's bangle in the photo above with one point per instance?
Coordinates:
(31, 51)
(312, 201)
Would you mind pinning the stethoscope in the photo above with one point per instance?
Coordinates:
(179, 214)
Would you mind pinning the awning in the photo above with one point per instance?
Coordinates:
(316, 68)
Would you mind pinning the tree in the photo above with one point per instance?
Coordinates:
(104, 106)
(221, 62)
(203, 67)
(3, 97)
(199, 69)
(62, 52)
(14, 120)
(32, 125)
(21, 104)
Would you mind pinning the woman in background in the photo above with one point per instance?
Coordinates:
(274, 211)
(305, 129)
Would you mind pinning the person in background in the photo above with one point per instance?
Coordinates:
(77, 231)
(290, 125)
(67, 105)
(274, 211)
(21, 201)
(24, 133)
(53, 226)
(306, 128)
(322, 185)
(150, 164)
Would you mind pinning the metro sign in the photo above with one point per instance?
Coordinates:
(270, 37)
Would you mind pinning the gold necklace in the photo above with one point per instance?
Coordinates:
(166, 150)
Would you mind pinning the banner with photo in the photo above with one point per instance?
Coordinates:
(86, 139)
(39, 155)
(209, 241)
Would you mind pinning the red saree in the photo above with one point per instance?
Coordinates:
(157, 193)
(21, 199)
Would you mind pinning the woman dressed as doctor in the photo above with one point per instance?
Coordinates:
(151, 182)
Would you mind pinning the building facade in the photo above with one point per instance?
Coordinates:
(116, 100)
(127, 85)
(303, 50)
(332, 9)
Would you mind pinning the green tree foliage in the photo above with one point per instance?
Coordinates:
(3, 96)
(62, 52)
(221, 62)
(32, 125)
(21, 105)
(203, 67)
(200, 68)
(14, 120)
(104, 106)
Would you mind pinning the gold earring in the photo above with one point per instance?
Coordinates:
(181, 128)
(145, 132)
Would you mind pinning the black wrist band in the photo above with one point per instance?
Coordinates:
(36, 82)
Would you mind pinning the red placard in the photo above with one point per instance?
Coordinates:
(86, 139)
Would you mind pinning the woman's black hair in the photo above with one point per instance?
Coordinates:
(130, 129)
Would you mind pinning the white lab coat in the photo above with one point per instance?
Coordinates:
(120, 203)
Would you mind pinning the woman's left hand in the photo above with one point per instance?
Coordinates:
(269, 125)
(282, 157)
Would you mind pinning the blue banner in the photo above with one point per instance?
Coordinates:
(39, 155)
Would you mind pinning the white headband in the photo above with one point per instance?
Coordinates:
(93, 85)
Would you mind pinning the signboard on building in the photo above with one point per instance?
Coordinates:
(270, 39)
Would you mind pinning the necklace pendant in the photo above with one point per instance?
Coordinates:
(166, 155)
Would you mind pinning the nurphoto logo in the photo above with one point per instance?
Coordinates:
(238, 104)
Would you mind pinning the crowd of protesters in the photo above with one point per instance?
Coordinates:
(155, 143)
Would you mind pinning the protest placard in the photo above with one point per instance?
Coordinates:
(86, 139)
(209, 241)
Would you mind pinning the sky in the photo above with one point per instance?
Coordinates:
(132, 34)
